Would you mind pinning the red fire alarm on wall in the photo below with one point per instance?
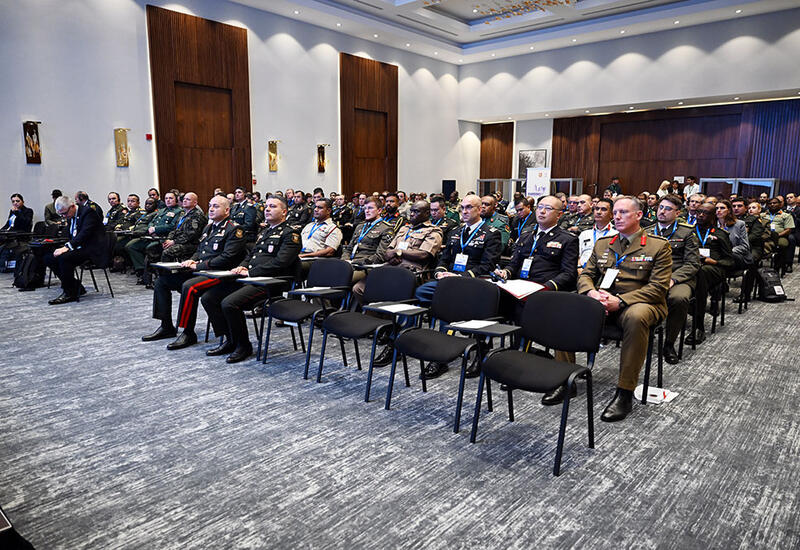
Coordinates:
(148, 137)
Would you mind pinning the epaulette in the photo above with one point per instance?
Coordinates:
(653, 235)
(492, 229)
(686, 225)
(606, 237)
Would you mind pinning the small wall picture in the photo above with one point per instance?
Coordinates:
(272, 155)
(121, 147)
(320, 159)
(33, 149)
(531, 158)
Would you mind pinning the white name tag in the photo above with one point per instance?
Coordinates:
(105, 221)
(526, 267)
(461, 262)
(609, 278)
(772, 227)
(354, 251)
(705, 252)
(402, 245)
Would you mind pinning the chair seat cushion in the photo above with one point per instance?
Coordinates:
(431, 345)
(528, 372)
(292, 310)
(353, 325)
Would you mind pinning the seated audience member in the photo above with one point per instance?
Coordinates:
(439, 216)
(757, 235)
(616, 186)
(716, 258)
(694, 202)
(342, 216)
(391, 214)
(781, 226)
(82, 199)
(20, 220)
(674, 189)
(160, 226)
(156, 196)
(685, 264)
(607, 194)
(222, 246)
(51, 217)
(132, 214)
(139, 228)
(629, 274)
(275, 254)
(358, 212)
(87, 242)
(321, 237)
(691, 188)
(494, 219)
(663, 191)
(582, 219)
(370, 239)
(763, 199)
(603, 227)
(115, 213)
(417, 244)
(737, 232)
(182, 241)
(244, 214)
(299, 213)
(524, 219)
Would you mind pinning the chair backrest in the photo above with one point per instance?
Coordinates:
(388, 283)
(329, 272)
(464, 298)
(111, 241)
(563, 321)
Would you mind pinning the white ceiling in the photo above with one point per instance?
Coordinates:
(451, 31)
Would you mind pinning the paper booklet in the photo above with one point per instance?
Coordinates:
(519, 288)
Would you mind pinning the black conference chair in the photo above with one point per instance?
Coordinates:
(456, 299)
(549, 320)
(385, 284)
(332, 274)
(103, 265)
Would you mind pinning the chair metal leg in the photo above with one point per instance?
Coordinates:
(590, 408)
(694, 344)
(294, 338)
(208, 328)
(489, 395)
(371, 364)
(358, 355)
(266, 339)
(321, 355)
(660, 357)
(510, 404)
(255, 328)
(422, 375)
(391, 380)
(94, 281)
(344, 354)
(308, 348)
(300, 335)
(111, 290)
(648, 363)
(562, 429)
(682, 336)
(477, 413)
(405, 371)
(722, 310)
(460, 398)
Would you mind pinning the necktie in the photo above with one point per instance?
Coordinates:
(624, 243)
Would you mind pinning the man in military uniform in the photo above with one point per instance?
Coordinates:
(716, 257)
(300, 213)
(139, 227)
(495, 219)
(342, 216)
(222, 246)
(781, 225)
(603, 210)
(115, 213)
(160, 226)
(275, 254)
(133, 212)
(582, 219)
(524, 220)
(685, 264)
(156, 196)
(82, 199)
(390, 212)
(370, 239)
(417, 244)
(629, 274)
(757, 235)
(439, 217)
(183, 240)
(694, 203)
(244, 214)
(321, 237)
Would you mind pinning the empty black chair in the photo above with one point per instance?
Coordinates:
(549, 320)
(325, 272)
(385, 284)
(90, 266)
(456, 299)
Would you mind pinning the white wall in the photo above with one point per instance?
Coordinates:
(82, 67)
(532, 134)
(750, 54)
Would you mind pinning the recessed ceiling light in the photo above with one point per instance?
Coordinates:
(297, 12)
(374, 36)
(435, 53)
(475, 10)
(547, 114)
(622, 31)
(680, 103)
(509, 118)
(531, 47)
(630, 107)
(460, 60)
(481, 120)
(408, 45)
(675, 22)
(574, 39)
(338, 24)
(492, 55)
(586, 111)
(736, 98)
(738, 11)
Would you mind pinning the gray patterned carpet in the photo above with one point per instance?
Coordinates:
(107, 442)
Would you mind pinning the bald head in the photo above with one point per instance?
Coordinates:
(419, 213)
(189, 201)
(218, 208)
(470, 209)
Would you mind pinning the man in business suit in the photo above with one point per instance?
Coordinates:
(87, 242)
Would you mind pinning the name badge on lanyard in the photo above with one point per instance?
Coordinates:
(705, 252)
(526, 268)
(609, 278)
(460, 264)
(403, 245)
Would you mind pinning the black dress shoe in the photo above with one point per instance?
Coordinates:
(670, 355)
(185, 340)
(240, 354)
(384, 357)
(740, 299)
(82, 290)
(620, 407)
(697, 338)
(160, 334)
(434, 370)
(557, 395)
(224, 348)
(63, 299)
(789, 269)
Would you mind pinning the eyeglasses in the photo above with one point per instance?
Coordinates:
(546, 208)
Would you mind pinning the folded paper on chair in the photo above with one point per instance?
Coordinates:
(473, 325)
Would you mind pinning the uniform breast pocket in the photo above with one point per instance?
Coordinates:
(639, 270)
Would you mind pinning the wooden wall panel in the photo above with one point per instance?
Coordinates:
(744, 140)
(368, 109)
(195, 64)
(497, 150)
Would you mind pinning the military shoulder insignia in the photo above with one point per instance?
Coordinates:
(295, 238)
(239, 233)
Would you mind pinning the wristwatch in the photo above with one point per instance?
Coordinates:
(399, 252)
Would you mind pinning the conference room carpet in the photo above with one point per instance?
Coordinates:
(108, 442)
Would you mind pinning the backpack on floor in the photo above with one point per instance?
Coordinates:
(770, 288)
(27, 273)
(7, 260)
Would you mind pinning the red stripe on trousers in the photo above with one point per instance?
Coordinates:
(188, 304)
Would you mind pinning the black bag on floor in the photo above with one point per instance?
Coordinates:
(770, 288)
(7, 260)
(27, 273)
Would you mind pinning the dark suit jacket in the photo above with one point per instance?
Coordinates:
(555, 258)
(23, 222)
(89, 233)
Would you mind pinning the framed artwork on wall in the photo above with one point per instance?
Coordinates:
(121, 147)
(272, 155)
(531, 158)
(33, 149)
(321, 163)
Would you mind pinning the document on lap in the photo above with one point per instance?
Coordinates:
(519, 288)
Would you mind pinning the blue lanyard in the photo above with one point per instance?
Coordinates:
(364, 231)
(702, 239)
(314, 229)
(536, 240)
(388, 219)
(594, 233)
(674, 229)
(619, 260)
(183, 219)
(464, 244)
(519, 229)
(438, 222)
